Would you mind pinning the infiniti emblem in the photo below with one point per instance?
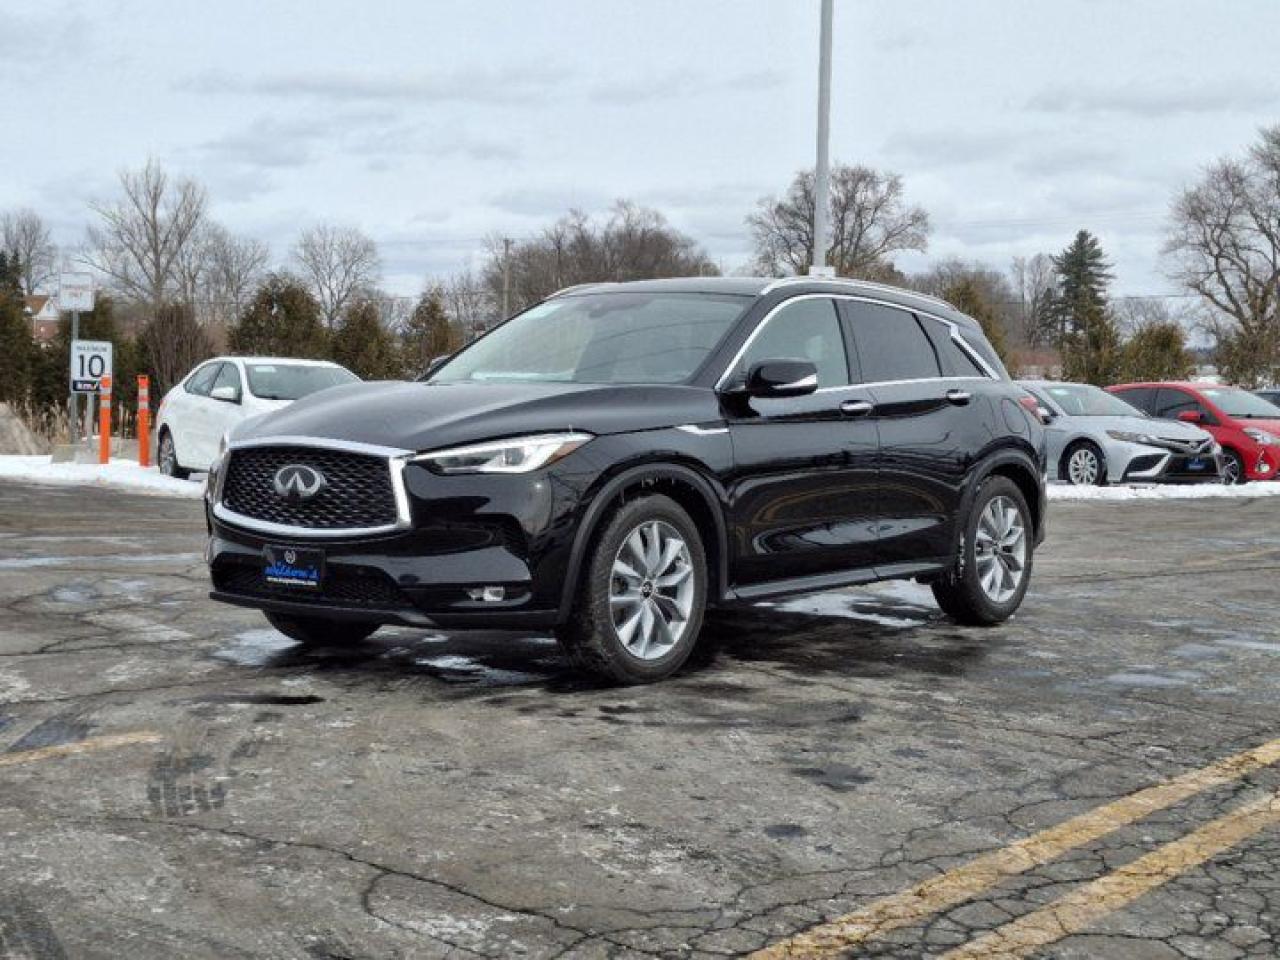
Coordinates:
(297, 481)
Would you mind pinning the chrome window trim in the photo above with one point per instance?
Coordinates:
(956, 336)
(847, 282)
(396, 457)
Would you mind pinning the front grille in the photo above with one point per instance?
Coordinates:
(357, 492)
(1190, 447)
(341, 586)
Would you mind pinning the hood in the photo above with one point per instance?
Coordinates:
(427, 416)
(1271, 426)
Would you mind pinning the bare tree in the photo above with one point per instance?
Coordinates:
(234, 266)
(469, 305)
(1035, 282)
(870, 221)
(25, 236)
(140, 238)
(632, 243)
(1224, 244)
(337, 264)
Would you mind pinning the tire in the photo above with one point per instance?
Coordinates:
(634, 619)
(961, 592)
(1083, 465)
(167, 457)
(1233, 469)
(321, 632)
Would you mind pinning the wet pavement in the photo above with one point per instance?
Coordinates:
(176, 779)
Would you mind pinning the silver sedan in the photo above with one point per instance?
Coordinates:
(1094, 437)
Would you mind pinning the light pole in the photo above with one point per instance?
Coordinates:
(822, 171)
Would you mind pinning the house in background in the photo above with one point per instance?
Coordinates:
(43, 312)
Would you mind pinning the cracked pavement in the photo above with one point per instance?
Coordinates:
(434, 794)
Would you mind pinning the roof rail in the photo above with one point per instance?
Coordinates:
(783, 281)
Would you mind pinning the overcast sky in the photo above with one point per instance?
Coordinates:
(432, 124)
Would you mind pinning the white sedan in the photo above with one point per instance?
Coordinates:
(221, 392)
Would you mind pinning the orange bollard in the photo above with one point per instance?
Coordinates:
(144, 420)
(104, 420)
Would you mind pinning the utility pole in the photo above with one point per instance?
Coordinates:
(73, 402)
(506, 277)
(822, 171)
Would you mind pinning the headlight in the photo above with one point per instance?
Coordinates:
(517, 455)
(1131, 437)
(1261, 436)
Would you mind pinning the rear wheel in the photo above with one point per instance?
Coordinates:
(319, 631)
(993, 570)
(1084, 465)
(1233, 468)
(643, 592)
(167, 458)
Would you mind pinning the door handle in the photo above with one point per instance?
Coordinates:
(856, 408)
(959, 397)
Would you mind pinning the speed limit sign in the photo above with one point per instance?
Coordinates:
(90, 362)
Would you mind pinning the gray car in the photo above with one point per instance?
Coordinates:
(1094, 437)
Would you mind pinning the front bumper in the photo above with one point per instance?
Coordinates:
(464, 541)
(1138, 462)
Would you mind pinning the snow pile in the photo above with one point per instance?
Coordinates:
(1196, 491)
(120, 474)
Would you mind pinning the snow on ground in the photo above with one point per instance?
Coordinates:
(122, 474)
(1198, 491)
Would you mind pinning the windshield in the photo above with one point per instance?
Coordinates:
(1240, 403)
(601, 338)
(289, 381)
(1082, 400)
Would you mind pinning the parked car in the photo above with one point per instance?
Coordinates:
(1094, 437)
(220, 393)
(619, 457)
(1271, 395)
(1246, 427)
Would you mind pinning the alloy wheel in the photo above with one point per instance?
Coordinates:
(1232, 470)
(1083, 467)
(1000, 549)
(651, 589)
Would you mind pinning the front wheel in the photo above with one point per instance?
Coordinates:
(993, 570)
(643, 592)
(1233, 468)
(320, 632)
(1084, 465)
(167, 458)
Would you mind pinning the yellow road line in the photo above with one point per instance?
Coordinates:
(1079, 909)
(968, 880)
(80, 746)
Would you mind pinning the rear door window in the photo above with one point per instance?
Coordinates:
(891, 344)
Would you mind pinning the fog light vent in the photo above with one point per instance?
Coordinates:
(488, 594)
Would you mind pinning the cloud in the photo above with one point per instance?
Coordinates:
(30, 39)
(680, 83)
(550, 202)
(930, 149)
(1159, 98)
(508, 85)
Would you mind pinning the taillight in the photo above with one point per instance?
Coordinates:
(1035, 408)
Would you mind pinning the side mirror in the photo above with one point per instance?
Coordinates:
(781, 378)
(1191, 416)
(225, 394)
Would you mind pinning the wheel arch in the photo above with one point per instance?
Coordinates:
(1019, 467)
(683, 484)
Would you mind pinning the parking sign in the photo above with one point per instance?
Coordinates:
(75, 292)
(90, 362)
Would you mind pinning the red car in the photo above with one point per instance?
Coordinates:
(1245, 426)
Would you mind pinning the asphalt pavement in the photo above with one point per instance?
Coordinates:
(844, 775)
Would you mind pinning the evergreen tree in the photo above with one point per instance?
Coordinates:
(283, 320)
(363, 345)
(967, 296)
(428, 333)
(1087, 334)
(16, 346)
(1157, 351)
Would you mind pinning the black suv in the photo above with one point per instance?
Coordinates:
(620, 457)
